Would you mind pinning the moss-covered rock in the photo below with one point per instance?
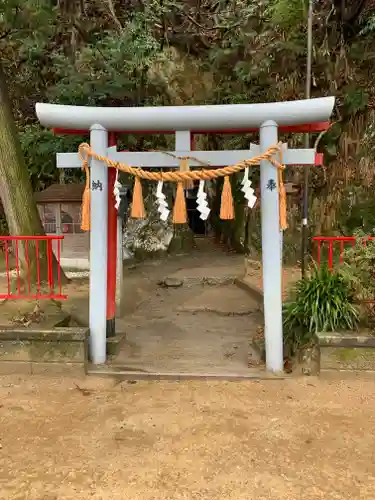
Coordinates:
(148, 238)
(152, 238)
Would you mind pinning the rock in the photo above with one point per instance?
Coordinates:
(309, 360)
(153, 238)
(171, 283)
(251, 266)
(147, 237)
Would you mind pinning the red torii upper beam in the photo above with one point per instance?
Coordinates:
(307, 128)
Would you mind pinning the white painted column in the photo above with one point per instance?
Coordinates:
(271, 252)
(280, 159)
(98, 246)
(182, 140)
(183, 143)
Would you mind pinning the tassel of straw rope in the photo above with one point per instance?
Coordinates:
(85, 210)
(282, 193)
(179, 208)
(282, 202)
(138, 207)
(282, 216)
(226, 207)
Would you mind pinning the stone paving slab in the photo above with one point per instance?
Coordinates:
(225, 300)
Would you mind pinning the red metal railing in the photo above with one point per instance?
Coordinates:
(332, 243)
(24, 281)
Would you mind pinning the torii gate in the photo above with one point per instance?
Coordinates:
(309, 115)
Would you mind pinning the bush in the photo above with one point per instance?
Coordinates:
(359, 269)
(322, 302)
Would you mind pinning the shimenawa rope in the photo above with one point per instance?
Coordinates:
(182, 177)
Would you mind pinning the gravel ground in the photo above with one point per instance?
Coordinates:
(284, 440)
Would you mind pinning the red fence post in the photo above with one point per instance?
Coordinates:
(49, 263)
(318, 253)
(24, 274)
(330, 254)
(7, 265)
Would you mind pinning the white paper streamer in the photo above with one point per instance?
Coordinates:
(161, 203)
(247, 190)
(116, 191)
(202, 205)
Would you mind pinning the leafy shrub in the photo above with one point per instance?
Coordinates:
(322, 302)
(358, 268)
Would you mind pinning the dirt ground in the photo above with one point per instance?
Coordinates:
(285, 440)
(106, 439)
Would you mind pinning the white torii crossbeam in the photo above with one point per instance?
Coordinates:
(170, 159)
(267, 118)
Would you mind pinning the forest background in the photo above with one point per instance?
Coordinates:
(174, 52)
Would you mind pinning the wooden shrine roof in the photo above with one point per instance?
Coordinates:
(60, 193)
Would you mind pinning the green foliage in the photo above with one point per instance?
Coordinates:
(111, 71)
(170, 52)
(368, 26)
(355, 101)
(288, 13)
(359, 268)
(358, 212)
(40, 147)
(322, 302)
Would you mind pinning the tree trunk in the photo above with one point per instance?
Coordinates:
(16, 192)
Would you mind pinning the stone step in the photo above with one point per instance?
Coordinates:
(39, 350)
(346, 351)
(114, 344)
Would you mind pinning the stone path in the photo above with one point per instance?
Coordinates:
(203, 326)
(221, 300)
(188, 332)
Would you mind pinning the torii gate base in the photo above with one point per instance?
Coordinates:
(307, 115)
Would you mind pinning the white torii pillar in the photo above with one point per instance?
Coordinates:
(98, 246)
(200, 119)
(271, 252)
